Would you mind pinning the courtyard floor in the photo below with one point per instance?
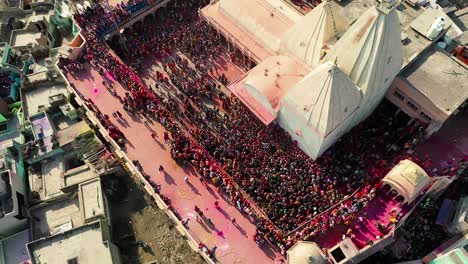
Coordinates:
(234, 241)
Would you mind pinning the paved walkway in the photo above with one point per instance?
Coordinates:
(234, 241)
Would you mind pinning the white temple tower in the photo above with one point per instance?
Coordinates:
(319, 109)
(308, 39)
(370, 53)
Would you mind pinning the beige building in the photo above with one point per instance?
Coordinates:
(86, 244)
(431, 89)
(74, 227)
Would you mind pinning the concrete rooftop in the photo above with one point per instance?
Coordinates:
(64, 246)
(48, 180)
(91, 200)
(21, 38)
(56, 217)
(38, 97)
(440, 78)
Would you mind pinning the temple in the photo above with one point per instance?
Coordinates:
(321, 85)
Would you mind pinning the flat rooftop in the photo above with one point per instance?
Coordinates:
(37, 99)
(21, 38)
(440, 78)
(56, 217)
(13, 249)
(91, 199)
(78, 175)
(69, 134)
(48, 180)
(64, 246)
(53, 176)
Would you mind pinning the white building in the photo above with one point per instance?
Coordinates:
(319, 87)
(319, 109)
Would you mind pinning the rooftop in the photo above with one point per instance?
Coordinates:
(37, 99)
(47, 180)
(13, 249)
(69, 134)
(75, 206)
(43, 132)
(52, 177)
(55, 218)
(62, 247)
(23, 37)
(460, 17)
(91, 200)
(440, 78)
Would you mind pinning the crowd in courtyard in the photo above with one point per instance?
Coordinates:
(247, 161)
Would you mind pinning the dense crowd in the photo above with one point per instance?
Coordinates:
(109, 16)
(232, 149)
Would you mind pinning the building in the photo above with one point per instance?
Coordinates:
(417, 90)
(304, 252)
(79, 216)
(455, 250)
(94, 242)
(459, 223)
(320, 86)
(403, 188)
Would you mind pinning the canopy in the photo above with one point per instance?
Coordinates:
(408, 179)
(304, 252)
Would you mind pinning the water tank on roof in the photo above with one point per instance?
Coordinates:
(436, 28)
(442, 45)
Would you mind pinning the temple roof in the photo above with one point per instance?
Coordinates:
(274, 77)
(307, 39)
(408, 179)
(265, 20)
(370, 50)
(326, 98)
(263, 88)
(304, 252)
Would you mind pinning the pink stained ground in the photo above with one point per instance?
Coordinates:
(236, 245)
(448, 145)
(378, 211)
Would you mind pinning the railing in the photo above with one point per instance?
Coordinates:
(135, 11)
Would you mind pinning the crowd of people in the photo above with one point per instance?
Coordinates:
(110, 16)
(229, 148)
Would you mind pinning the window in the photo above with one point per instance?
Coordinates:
(73, 261)
(398, 95)
(412, 106)
(338, 255)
